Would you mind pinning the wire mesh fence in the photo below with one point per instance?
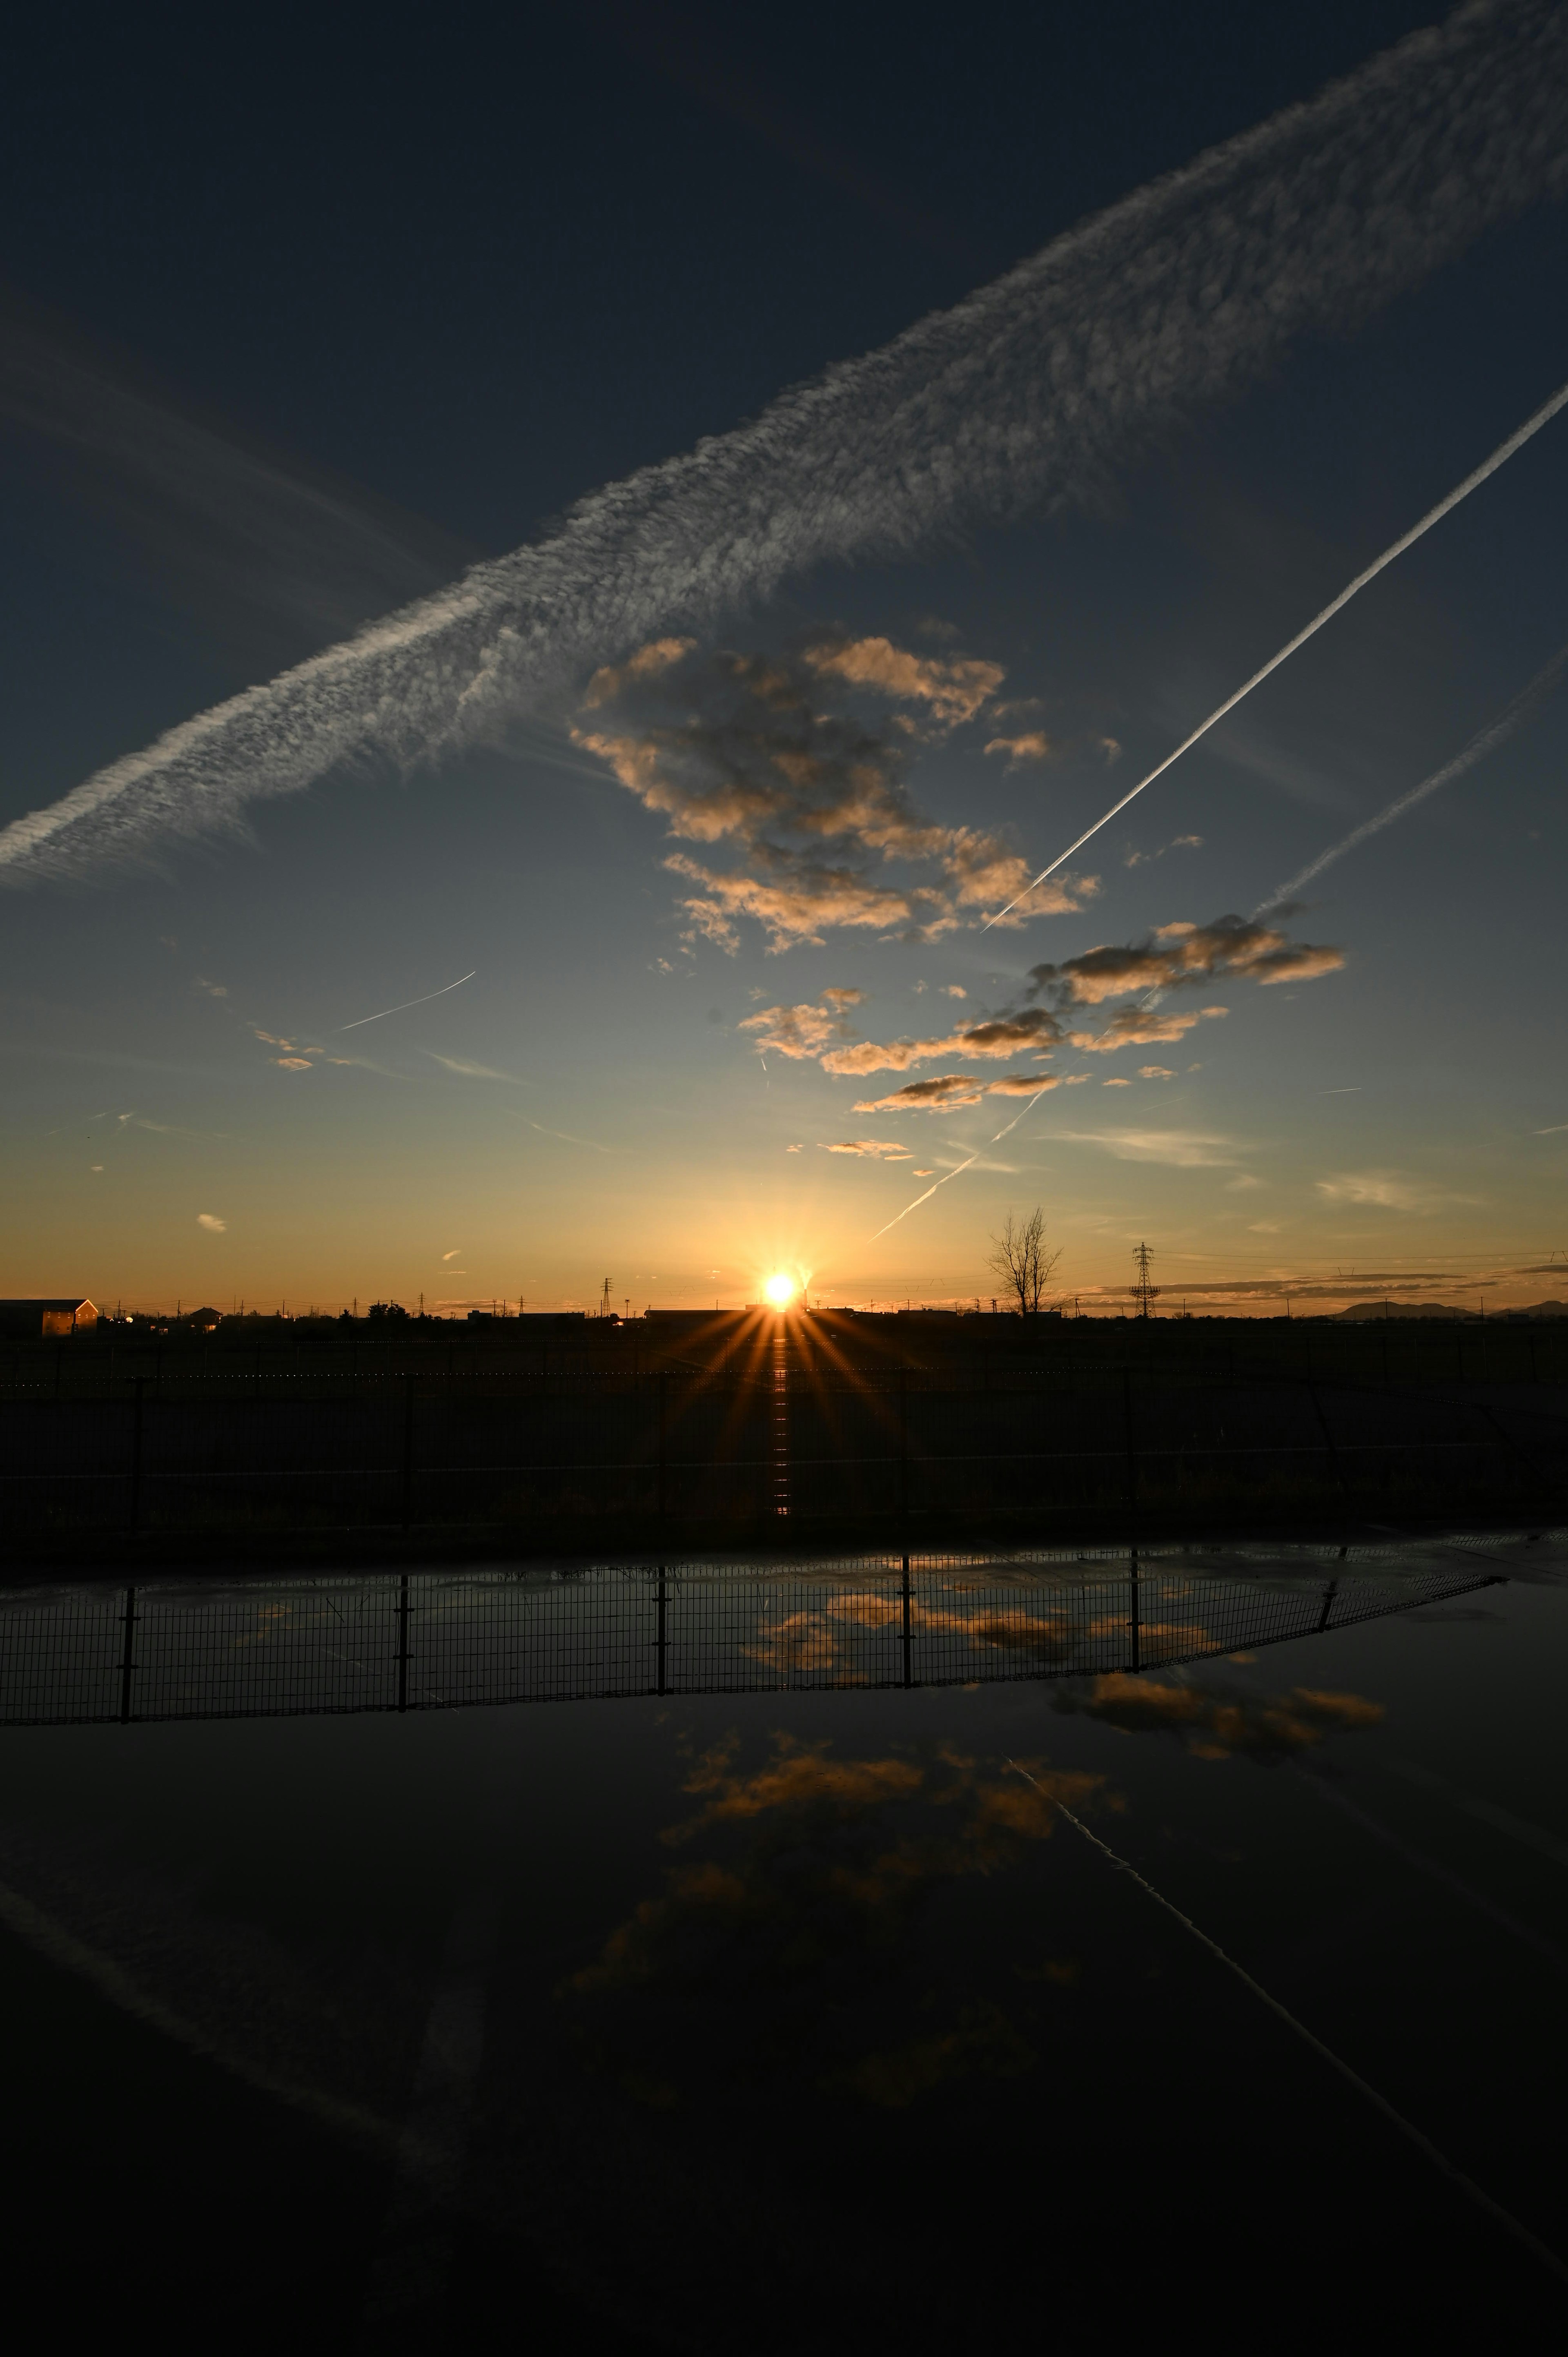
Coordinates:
(677, 1450)
(434, 1639)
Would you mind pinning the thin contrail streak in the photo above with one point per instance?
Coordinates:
(962, 1167)
(1486, 740)
(1499, 458)
(429, 994)
(1407, 2128)
(1032, 393)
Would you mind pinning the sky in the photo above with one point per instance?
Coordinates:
(559, 576)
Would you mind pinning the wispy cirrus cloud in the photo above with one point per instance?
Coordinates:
(1178, 1149)
(1386, 1191)
(466, 1070)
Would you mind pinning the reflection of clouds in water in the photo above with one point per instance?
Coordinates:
(1214, 1725)
(791, 1955)
(820, 1637)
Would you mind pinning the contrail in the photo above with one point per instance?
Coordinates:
(962, 1167)
(362, 1019)
(1499, 458)
(1031, 394)
(1486, 740)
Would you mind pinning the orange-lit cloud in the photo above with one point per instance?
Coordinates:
(943, 1095)
(1032, 1027)
(954, 690)
(876, 1147)
(753, 752)
(1182, 953)
(1129, 1026)
(1034, 745)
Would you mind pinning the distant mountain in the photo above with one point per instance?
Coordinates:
(1360, 1312)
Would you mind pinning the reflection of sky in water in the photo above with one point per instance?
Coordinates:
(791, 2018)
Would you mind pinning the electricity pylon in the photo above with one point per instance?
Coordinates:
(1143, 1293)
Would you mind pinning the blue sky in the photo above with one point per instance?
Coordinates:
(267, 384)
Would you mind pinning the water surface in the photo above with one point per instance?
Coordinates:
(677, 1957)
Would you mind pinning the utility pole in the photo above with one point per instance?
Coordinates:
(1143, 1293)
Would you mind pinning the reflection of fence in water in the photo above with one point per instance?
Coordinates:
(426, 1641)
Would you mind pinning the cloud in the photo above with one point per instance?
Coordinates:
(1178, 1149)
(1036, 746)
(946, 1095)
(569, 1138)
(1177, 843)
(1231, 948)
(1115, 1084)
(877, 1147)
(1033, 1027)
(954, 690)
(213, 1225)
(452, 1254)
(294, 1064)
(210, 989)
(953, 990)
(1031, 392)
(794, 915)
(767, 757)
(1023, 1085)
(1155, 1073)
(611, 681)
(1385, 1190)
(468, 1070)
(1130, 1028)
(794, 1149)
(801, 1031)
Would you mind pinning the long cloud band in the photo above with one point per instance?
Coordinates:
(1026, 395)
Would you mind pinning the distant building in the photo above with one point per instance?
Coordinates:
(45, 1318)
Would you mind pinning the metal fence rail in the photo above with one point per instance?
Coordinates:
(422, 1640)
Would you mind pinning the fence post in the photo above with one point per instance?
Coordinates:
(127, 1658)
(1132, 1443)
(903, 1457)
(663, 1421)
(909, 1672)
(407, 1451)
(1133, 1621)
(402, 1643)
(135, 1517)
(1327, 1438)
(663, 1632)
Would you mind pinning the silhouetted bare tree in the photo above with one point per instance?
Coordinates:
(1021, 1261)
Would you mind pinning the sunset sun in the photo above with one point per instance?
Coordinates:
(779, 1290)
